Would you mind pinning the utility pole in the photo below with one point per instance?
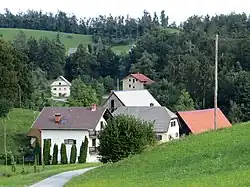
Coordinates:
(117, 84)
(216, 81)
(5, 144)
(20, 97)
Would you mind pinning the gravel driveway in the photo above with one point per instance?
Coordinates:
(61, 179)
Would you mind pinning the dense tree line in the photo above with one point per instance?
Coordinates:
(182, 64)
(114, 30)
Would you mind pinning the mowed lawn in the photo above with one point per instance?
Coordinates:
(18, 180)
(69, 40)
(212, 159)
(17, 125)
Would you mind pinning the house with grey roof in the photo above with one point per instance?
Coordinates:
(70, 125)
(166, 123)
(130, 98)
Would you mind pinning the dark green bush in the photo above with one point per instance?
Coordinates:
(83, 151)
(124, 136)
(64, 159)
(55, 155)
(73, 154)
(46, 151)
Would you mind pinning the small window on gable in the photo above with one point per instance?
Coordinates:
(60, 83)
(54, 88)
(172, 123)
(102, 125)
(129, 80)
(59, 88)
(133, 80)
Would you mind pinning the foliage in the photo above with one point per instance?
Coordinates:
(55, 155)
(184, 102)
(46, 151)
(73, 154)
(201, 155)
(63, 153)
(124, 136)
(82, 94)
(83, 151)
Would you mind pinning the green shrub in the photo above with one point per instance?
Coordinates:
(73, 154)
(124, 136)
(64, 159)
(83, 151)
(55, 155)
(46, 151)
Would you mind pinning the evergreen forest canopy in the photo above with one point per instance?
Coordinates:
(181, 63)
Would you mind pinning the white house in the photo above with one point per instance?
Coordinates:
(135, 81)
(70, 125)
(60, 87)
(166, 123)
(130, 98)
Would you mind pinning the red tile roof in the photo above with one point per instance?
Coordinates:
(200, 121)
(142, 78)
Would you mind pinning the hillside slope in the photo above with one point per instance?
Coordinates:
(220, 158)
(20, 121)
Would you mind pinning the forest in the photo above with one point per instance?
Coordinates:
(181, 63)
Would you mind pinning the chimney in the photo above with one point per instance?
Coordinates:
(58, 117)
(93, 108)
(151, 104)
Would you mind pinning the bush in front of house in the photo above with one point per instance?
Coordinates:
(64, 159)
(124, 136)
(73, 153)
(55, 155)
(83, 151)
(46, 151)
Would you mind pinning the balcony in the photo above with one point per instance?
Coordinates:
(93, 134)
(92, 150)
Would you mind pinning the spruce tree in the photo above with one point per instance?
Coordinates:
(83, 151)
(55, 155)
(73, 154)
(46, 151)
(64, 159)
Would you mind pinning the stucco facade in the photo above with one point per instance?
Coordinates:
(131, 83)
(63, 136)
(113, 102)
(172, 133)
(60, 88)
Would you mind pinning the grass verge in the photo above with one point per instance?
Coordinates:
(219, 158)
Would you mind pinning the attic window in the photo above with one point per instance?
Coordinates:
(172, 123)
(129, 80)
(151, 104)
(133, 80)
(60, 83)
(54, 88)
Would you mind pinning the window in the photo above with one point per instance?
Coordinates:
(64, 88)
(93, 142)
(172, 123)
(129, 80)
(112, 103)
(54, 88)
(69, 141)
(102, 125)
(59, 88)
(170, 137)
(133, 86)
(60, 83)
(129, 85)
(133, 80)
(176, 135)
(159, 137)
(60, 94)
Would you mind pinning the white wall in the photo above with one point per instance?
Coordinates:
(134, 84)
(58, 136)
(171, 131)
(64, 88)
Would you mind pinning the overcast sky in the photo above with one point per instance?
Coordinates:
(177, 10)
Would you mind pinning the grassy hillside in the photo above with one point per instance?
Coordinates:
(18, 124)
(220, 158)
(69, 40)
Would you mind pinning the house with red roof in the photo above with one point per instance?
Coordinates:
(199, 121)
(135, 81)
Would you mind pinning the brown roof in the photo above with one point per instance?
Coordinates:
(71, 118)
(199, 121)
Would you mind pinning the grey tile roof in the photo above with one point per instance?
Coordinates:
(160, 115)
(72, 118)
